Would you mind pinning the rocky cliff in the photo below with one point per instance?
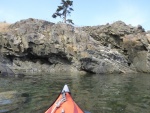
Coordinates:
(34, 45)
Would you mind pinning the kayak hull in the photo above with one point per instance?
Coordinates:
(64, 104)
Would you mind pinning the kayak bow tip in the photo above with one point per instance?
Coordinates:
(66, 89)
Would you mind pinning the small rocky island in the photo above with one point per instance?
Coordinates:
(39, 46)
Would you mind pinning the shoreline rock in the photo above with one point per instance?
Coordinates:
(41, 46)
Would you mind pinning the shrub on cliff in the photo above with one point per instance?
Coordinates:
(4, 26)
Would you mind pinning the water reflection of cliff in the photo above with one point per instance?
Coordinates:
(113, 93)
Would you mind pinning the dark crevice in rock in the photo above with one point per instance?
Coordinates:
(129, 64)
(10, 58)
(33, 58)
(59, 59)
(87, 70)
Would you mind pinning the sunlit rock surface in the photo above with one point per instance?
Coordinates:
(34, 45)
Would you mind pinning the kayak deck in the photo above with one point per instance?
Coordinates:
(64, 103)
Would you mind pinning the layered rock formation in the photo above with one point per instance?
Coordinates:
(39, 46)
(133, 42)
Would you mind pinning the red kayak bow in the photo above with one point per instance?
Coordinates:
(64, 103)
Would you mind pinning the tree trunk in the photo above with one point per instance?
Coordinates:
(65, 16)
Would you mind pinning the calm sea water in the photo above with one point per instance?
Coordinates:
(94, 93)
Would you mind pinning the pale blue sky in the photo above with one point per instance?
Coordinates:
(86, 12)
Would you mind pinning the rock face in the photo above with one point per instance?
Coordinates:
(4, 69)
(39, 46)
(132, 42)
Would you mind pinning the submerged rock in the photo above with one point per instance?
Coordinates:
(11, 100)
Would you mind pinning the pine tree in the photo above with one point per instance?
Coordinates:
(64, 10)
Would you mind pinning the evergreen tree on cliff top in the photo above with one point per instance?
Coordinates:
(64, 10)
